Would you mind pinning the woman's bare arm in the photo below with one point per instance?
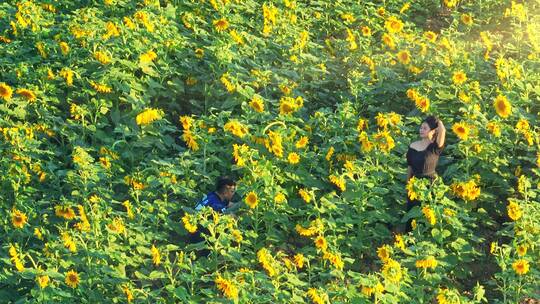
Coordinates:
(409, 173)
(441, 134)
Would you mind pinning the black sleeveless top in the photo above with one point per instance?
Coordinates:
(423, 163)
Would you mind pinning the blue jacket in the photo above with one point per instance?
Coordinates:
(212, 200)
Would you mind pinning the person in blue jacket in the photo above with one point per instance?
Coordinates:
(220, 199)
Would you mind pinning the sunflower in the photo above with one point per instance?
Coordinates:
(431, 36)
(72, 279)
(494, 128)
(404, 57)
(514, 211)
(393, 25)
(366, 31)
(462, 130)
(221, 24)
(430, 215)
(190, 227)
(257, 104)
(148, 116)
(293, 158)
(522, 250)
(101, 88)
(199, 53)
(450, 3)
(29, 95)
(348, 17)
(459, 77)
(410, 189)
(502, 106)
(65, 212)
(227, 287)
(320, 242)
(43, 281)
(280, 198)
(102, 57)
(5, 91)
(305, 195)
(236, 37)
(147, 57)
(521, 267)
(156, 255)
(18, 218)
(64, 47)
(422, 104)
(467, 19)
(302, 142)
(383, 252)
(522, 125)
(429, 262)
(251, 200)
(412, 94)
(299, 260)
(128, 293)
(236, 128)
(388, 41)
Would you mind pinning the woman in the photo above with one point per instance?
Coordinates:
(423, 154)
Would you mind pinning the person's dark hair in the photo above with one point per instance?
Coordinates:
(224, 181)
(432, 122)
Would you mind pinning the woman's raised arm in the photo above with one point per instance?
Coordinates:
(441, 134)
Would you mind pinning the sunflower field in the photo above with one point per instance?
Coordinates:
(117, 116)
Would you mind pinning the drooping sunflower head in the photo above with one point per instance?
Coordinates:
(29, 95)
(5, 91)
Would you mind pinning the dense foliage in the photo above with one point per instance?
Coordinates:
(117, 116)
